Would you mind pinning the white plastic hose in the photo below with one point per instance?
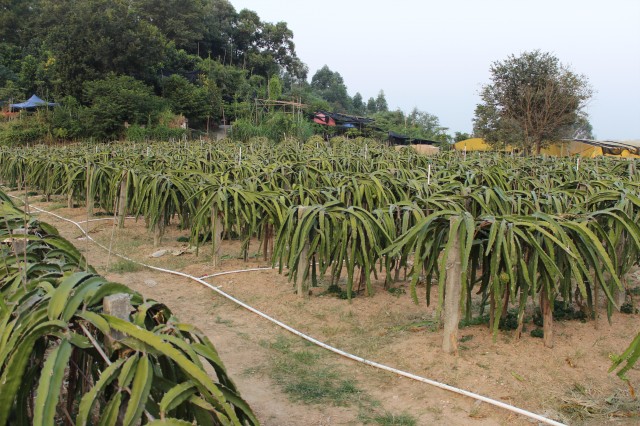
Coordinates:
(313, 340)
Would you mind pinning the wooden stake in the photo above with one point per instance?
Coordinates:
(302, 287)
(547, 317)
(453, 290)
(216, 235)
(122, 201)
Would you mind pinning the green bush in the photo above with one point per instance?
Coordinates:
(27, 129)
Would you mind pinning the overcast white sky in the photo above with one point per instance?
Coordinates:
(436, 55)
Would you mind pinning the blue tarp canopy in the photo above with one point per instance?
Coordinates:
(33, 102)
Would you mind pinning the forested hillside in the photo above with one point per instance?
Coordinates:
(131, 68)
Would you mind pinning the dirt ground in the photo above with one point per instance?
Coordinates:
(569, 383)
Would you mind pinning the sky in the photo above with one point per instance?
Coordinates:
(436, 55)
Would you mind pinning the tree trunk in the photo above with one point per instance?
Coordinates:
(453, 290)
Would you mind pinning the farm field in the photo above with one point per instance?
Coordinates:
(366, 216)
(569, 382)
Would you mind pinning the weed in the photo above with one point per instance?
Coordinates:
(337, 291)
(628, 308)
(479, 320)
(509, 321)
(226, 322)
(182, 239)
(390, 419)
(428, 324)
(562, 311)
(124, 266)
(537, 332)
(397, 291)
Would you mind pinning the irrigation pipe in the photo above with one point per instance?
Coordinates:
(365, 361)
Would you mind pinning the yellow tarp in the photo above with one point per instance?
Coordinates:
(558, 149)
(474, 144)
(571, 148)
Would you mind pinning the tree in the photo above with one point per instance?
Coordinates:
(187, 99)
(116, 100)
(530, 100)
(330, 86)
(461, 136)
(371, 106)
(381, 102)
(89, 39)
(357, 104)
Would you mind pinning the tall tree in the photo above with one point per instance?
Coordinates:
(181, 21)
(381, 102)
(89, 39)
(530, 100)
(330, 86)
(358, 104)
(371, 106)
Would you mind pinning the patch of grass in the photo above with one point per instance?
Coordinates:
(635, 291)
(124, 266)
(479, 320)
(390, 419)
(182, 239)
(304, 377)
(57, 206)
(429, 324)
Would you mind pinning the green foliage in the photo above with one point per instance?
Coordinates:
(304, 378)
(139, 133)
(276, 127)
(53, 332)
(630, 357)
(187, 99)
(116, 100)
(460, 136)
(27, 129)
(537, 333)
(532, 99)
(329, 85)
